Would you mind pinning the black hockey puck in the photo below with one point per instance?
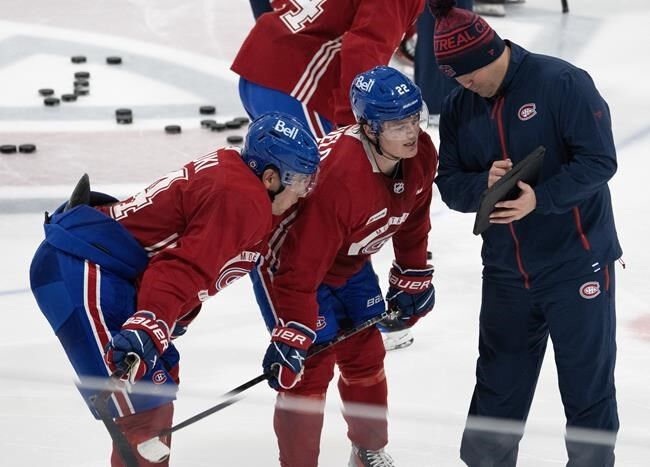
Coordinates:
(68, 97)
(207, 110)
(242, 120)
(235, 139)
(78, 59)
(173, 129)
(82, 75)
(8, 149)
(233, 124)
(81, 83)
(46, 92)
(218, 126)
(27, 148)
(51, 101)
(119, 112)
(124, 119)
(81, 91)
(207, 123)
(114, 60)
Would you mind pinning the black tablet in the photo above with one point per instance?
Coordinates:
(527, 170)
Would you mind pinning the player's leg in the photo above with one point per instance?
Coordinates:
(362, 384)
(85, 306)
(298, 417)
(260, 99)
(512, 342)
(582, 323)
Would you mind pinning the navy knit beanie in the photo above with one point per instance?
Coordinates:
(463, 41)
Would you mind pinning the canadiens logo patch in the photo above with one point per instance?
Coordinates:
(159, 377)
(320, 323)
(527, 111)
(590, 290)
(398, 187)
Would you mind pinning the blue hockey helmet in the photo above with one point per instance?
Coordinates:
(384, 94)
(280, 140)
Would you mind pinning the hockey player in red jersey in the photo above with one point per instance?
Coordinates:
(119, 280)
(301, 57)
(375, 185)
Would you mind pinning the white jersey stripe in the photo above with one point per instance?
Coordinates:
(320, 74)
(322, 58)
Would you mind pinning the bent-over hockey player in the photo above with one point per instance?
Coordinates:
(118, 281)
(301, 59)
(375, 185)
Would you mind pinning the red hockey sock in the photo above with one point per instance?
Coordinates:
(142, 426)
(298, 422)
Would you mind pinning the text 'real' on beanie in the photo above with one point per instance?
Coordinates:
(463, 41)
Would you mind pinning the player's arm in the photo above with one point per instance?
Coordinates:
(307, 253)
(585, 125)
(219, 227)
(459, 186)
(375, 34)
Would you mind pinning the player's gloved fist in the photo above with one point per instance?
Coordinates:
(411, 292)
(136, 348)
(285, 356)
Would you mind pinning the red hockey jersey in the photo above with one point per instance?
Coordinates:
(353, 212)
(313, 49)
(202, 225)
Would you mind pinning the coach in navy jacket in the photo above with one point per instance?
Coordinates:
(549, 255)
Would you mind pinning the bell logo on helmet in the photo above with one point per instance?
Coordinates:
(285, 129)
(364, 85)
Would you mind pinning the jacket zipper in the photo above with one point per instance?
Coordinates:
(498, 111)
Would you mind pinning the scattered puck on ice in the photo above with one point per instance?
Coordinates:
(218, 126)
(235, 139)
(82, 75)
(114, 60)
(242, 120)
(207, 123)
(46, 92)
(8, 149)
(81, 91)
(232, 124)
(207, 110)
(429, 256)
(27, 148)
(51, 101)
(81, 83)
(119, 112)
(173, 129)
(124, 120)
(78, 59)
(68, 97)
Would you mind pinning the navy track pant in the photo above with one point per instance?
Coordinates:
(515, 324)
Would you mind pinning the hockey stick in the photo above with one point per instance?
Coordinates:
(100, 402)
(565, 6)
(233, 393)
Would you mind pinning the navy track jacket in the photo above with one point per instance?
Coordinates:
(542, 101)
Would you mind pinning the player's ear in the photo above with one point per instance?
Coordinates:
(367, 130)
(271, 179)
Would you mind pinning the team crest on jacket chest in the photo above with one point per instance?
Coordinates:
(527, 111)
(398, 187)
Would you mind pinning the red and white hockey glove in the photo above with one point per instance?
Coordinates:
(411, 292)
(143, 338)
(285, 356)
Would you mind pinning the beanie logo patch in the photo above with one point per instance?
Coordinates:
(527, 111)
(447, 70)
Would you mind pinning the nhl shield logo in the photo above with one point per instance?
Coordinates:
(398, 187)
(590, 290)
